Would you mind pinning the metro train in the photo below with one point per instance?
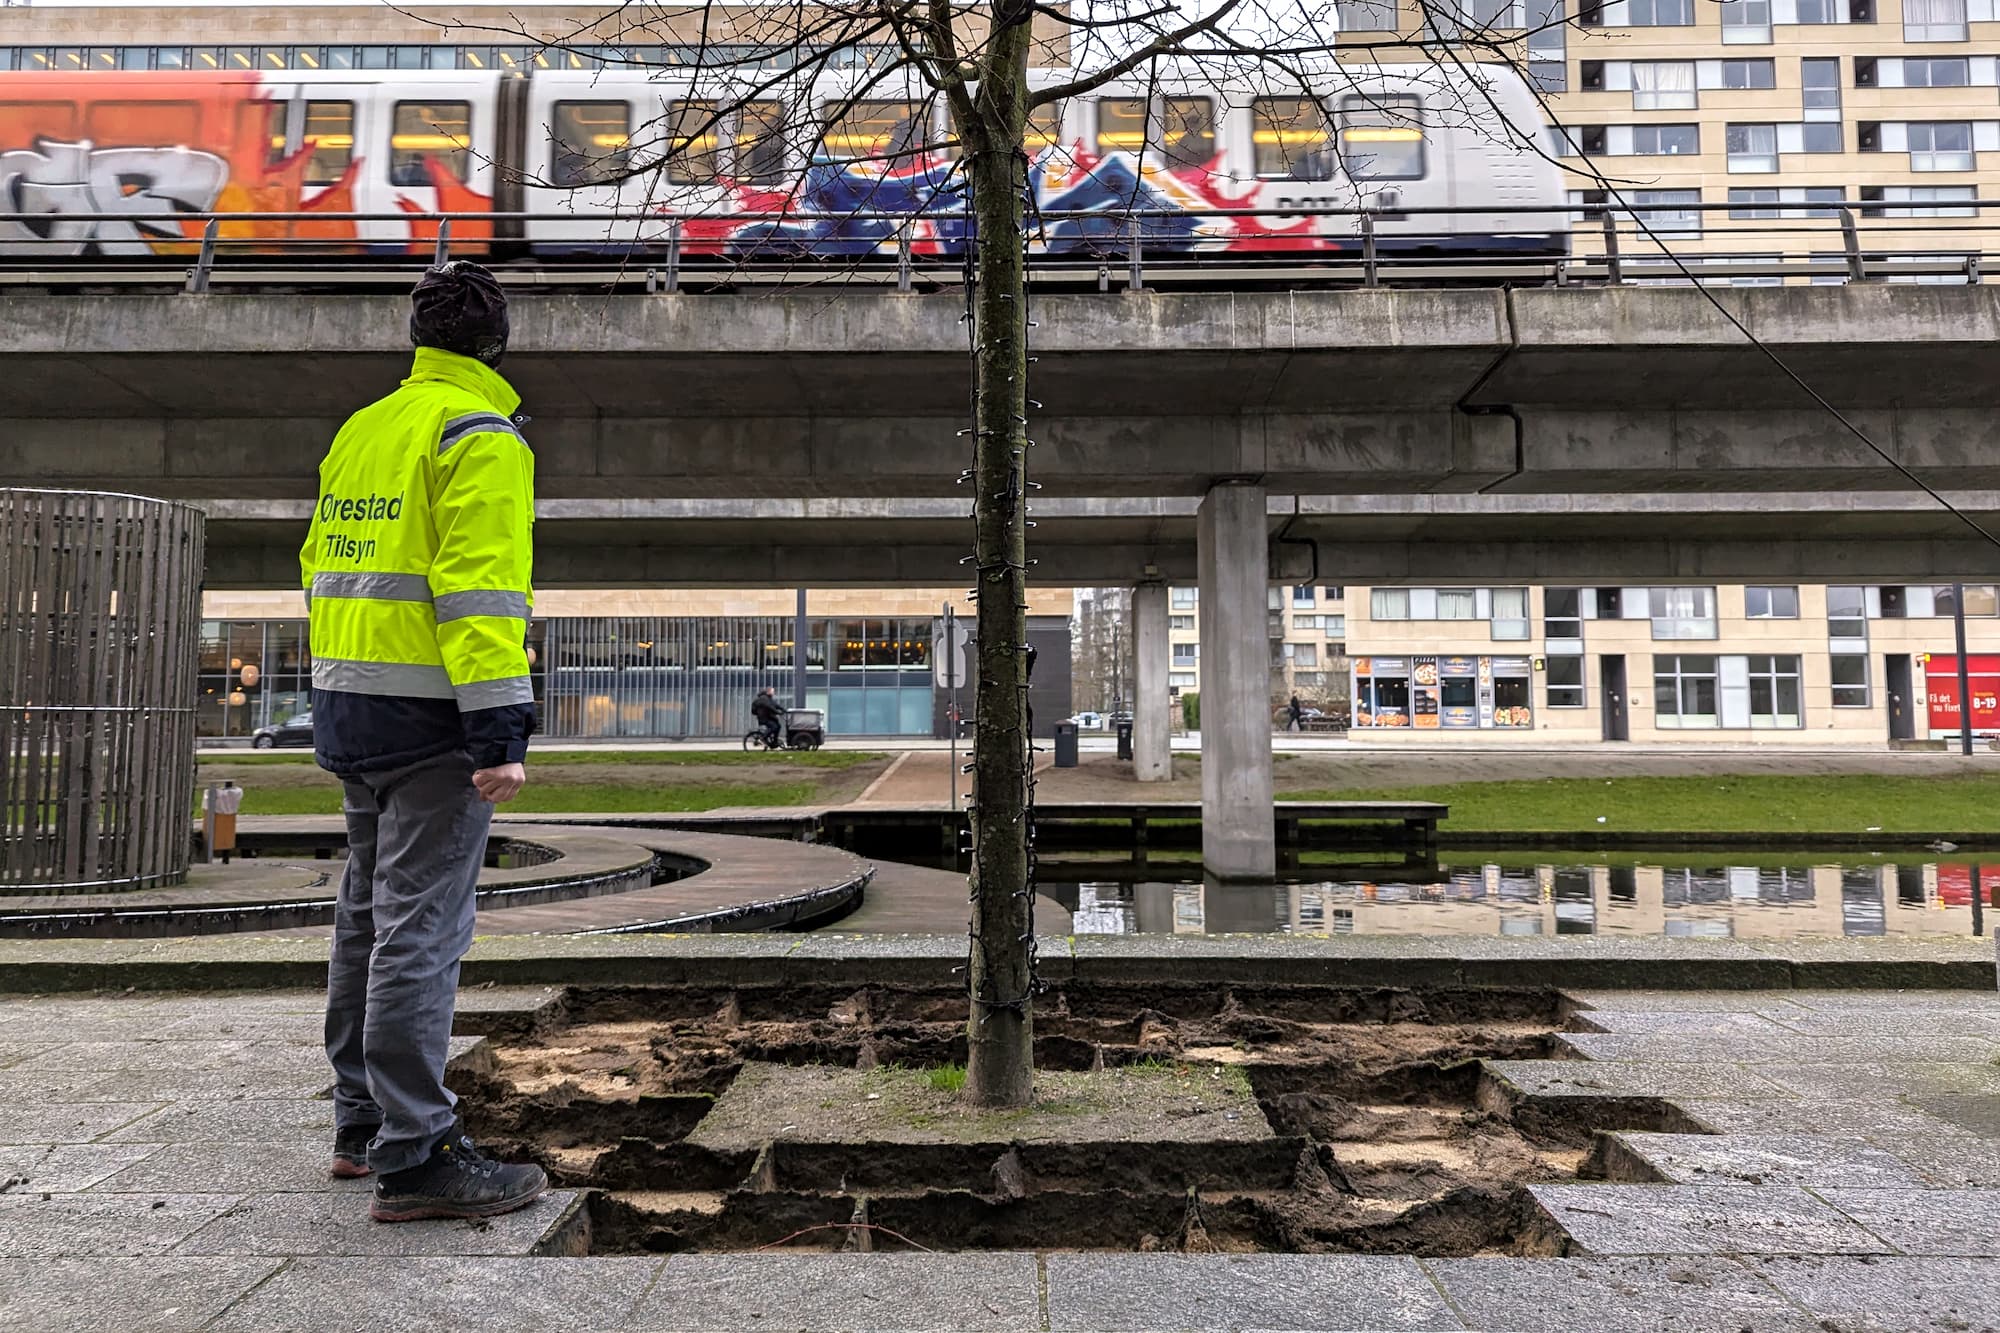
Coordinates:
(825, 153)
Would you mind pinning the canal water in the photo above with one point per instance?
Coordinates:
(1748, 895)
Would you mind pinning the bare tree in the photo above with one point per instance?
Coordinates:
(999, 69)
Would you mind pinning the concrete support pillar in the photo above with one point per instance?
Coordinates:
(1152, 716)
(1236, 788)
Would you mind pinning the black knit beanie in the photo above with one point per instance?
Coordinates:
(460, 307)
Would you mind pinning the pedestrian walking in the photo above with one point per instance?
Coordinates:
(1295, 715)
(417, 573)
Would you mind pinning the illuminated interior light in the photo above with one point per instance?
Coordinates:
(477, 63)
(1381, 136)
(311, 61)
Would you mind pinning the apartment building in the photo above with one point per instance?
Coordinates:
(1308, 637)
(1783, 110)
(1784, 664)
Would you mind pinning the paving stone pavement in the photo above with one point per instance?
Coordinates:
(162, 1167)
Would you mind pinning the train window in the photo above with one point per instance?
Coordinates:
(1292, 138)
(589, 143)
(1121, 125)
(263, 123)
(1381, 138)
(876, 130)
(329, 141)
(129, 124)
(29, 121)
(1044, 129)
(757, 142)
(430, 132)
(1187, 132)
(694, 143)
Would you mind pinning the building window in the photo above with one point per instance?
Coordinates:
(1676, 216)
(1752, 147)
(1302, 595)
(1665, 140)
(1820, 76)
(1846, 613)
(1334, 625)
(1942, 145)
(1746, 23)
(1183, 599)
(1821, 136)
(1684, 691)
(1389, 603)
(1664, 85)
(1934, 20)
(1182, 680)
(1850, 680)
(1302, 654)
(1562, 613)
(1771, 603)
(1565, 682)
(1180, 622)
(1510, 613)
(1979, 599)
(1366, 15)
(1662, 13)
(1186, 654)
(1334, 593)
(1774, 691)
(1750, 73)
(1939, 72)
(1760, 202)
(1682, 613)
(1826, 201)
(1457, 604)
(1933, 201)
(1814, 13)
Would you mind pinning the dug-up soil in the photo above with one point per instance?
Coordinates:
(1358, 1121)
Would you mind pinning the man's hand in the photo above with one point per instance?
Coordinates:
(502, 784)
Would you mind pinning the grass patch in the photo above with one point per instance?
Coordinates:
(946, 1078)
(827, 759)
(1758, 803)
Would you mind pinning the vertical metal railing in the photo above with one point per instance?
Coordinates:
(100, 616)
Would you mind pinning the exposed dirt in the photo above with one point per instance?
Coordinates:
(1383, 1135)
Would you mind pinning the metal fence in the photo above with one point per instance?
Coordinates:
(99, 616)
(1746, 241)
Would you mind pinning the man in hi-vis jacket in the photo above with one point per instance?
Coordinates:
(417, 575)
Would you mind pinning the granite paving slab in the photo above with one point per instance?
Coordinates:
(428, 1295)
(1146, 1293)
(1707, 1022)
(68, 1122)
(1594, 1002)
(1789, 1048)
(52, 1225)
(1875, 1001)
(245, 1121)
(1588, 1295)
(240, 1168)
(1976, 1114)
(54, 1085)
(1957, 1223)
(1703, 1219)
(306, 1078)
(1888, 1082)
(327, 1223)
(1594, 1078)
(62, 1167)
(1847, 1119)
(1954, 1162)
(107, 1056)
(14, 1052)
(1893, 1022)
(108, 1295)
(844, 1293)
(1891, 1295)
(1770, 1159)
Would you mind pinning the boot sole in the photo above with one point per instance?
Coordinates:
(418, 1211)
(342, 1169)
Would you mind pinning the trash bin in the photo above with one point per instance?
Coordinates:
(1065, 745)
(1125, 740)
(218, 809)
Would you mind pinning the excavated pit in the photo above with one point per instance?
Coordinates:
(1336, 1120)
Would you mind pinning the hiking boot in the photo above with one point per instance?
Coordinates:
(350, 1150)
(457, 1181)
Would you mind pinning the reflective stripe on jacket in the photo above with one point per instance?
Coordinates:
(417, 573)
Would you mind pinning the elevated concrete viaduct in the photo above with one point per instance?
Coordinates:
(1401, 435)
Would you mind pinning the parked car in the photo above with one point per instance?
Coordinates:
(1089, 721)
(293, 731)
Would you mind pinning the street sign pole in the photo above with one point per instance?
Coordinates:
(1964, 670)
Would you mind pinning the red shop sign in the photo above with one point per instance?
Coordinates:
(1941, 691)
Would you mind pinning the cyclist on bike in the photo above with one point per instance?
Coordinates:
(769, 714)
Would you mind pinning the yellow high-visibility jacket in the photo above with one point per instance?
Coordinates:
(417, 573)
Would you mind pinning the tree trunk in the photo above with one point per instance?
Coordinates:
(1000, 1066)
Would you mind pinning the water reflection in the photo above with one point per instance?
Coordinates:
(1517, 897)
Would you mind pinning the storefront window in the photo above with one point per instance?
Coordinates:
(1512, 704)
(1565, 682)
(851, 645)
(1850, 680)
(1775, 692)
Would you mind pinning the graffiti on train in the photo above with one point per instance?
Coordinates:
(58, 186)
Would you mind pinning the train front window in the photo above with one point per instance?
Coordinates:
(329, 138)
(694, 143)
(876, 131)
(758, 144)
(591, 144)
(1121, 125)
(1382, 138)
(1292, 139)
(427, 132)
(1187, 132)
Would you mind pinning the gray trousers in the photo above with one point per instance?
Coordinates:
(416, 838)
